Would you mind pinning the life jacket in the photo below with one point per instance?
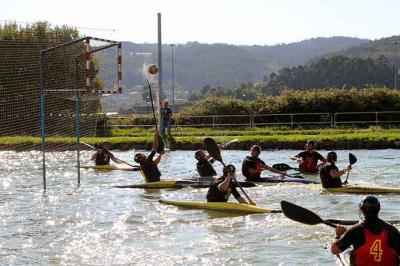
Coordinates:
(215, 195)
(149, 171)
(205, 168)
(375, 251)
(309, 162)
(102, 158)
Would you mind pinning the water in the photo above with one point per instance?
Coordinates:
(96, 225)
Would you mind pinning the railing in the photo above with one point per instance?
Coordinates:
(289, 119)
(383, 117)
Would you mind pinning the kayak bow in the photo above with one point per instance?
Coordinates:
(109, 167)
(220, 206)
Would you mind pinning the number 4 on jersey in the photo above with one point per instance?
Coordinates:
(376, 250)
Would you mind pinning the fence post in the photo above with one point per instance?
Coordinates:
(332, 120)
(376, 118)
(251, 121)
(213, 121)
(291, 121)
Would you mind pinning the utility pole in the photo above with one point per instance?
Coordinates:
(395, 66)
(160, 58)
(173, 81)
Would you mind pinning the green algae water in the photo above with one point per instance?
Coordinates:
(96, 225)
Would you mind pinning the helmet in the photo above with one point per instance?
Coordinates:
(310, 142)
(256, 148)
(370, 206)
(331, 156)
(229, 169)
(197, 154)
(138, 157)
(105, 143)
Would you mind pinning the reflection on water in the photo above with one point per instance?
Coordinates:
(93, 224)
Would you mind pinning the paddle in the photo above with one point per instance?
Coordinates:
(352, 160)
(305, 216)
(215, 152)
(302, 215)
(225, 145)
(284, 174)
(161, 145)
(136, 167)
(283, 167)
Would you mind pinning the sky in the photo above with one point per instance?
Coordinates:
(245, 22)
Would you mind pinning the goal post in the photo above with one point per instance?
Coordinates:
(74, 77)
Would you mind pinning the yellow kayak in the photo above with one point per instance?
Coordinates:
(176, 184)
(109, 167)
(220, 206)
(358, 189)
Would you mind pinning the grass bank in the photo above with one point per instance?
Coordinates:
(191, 138)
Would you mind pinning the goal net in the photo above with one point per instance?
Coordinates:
(74, 76)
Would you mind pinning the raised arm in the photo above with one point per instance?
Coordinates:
(158, 159)
(155, 140)
(94, 156)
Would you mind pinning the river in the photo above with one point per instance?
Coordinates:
(96, 225)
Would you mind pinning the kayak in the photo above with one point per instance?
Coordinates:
(220, 206)
(358, 189)
(280, 179)
(109, 167)
(176, 184)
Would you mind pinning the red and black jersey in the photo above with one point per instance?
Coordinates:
(375, 250)
(375, 242)
(309, 161)
(254, 163)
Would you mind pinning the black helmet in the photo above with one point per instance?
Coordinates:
(229, 169)
(331, 156)
(197, 155)
(310, 142)
(138, 156)
(370, 206)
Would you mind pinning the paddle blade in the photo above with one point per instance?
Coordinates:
(281, 167)
(352, 158)
(161, 145)
(230, 142)
(300, 214)
(212, 148)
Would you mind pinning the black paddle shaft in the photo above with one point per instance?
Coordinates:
(302, 215)
(152, 104)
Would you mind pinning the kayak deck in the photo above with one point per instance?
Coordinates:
(176, 184)
(279, 179)
(358, 189)
(109, 167)
(220, 206)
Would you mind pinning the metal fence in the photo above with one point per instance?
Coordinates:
(259, 120)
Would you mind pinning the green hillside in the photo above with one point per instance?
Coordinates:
(197, 65)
